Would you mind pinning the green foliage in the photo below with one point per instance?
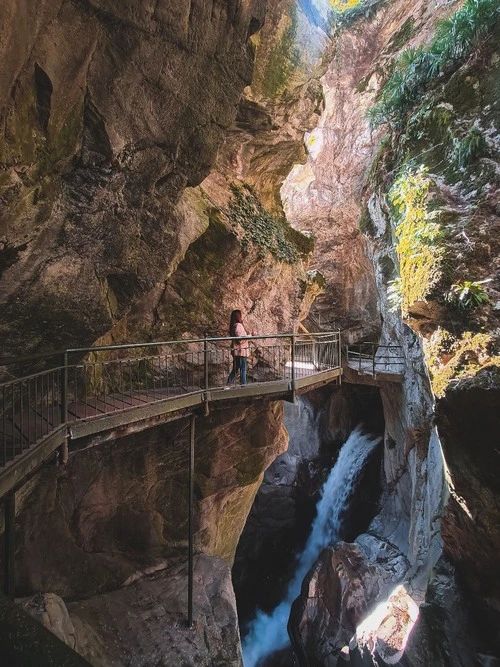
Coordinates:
(468, 149)
(451, 358)
(468, 294)
(345, 12)
(395, 294)
(461, 35)
(366, 225)
(415, 69)
(268, 233)
(417, 238)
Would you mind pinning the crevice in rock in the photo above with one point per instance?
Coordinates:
(43, 91)
(96, 146)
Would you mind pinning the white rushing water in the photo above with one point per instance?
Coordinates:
(267, 632)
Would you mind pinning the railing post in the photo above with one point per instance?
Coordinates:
(190, 521)
(206, 380)
(373, 357)
(9, 545)
(292, 339)
(339, 357)
(63, 414)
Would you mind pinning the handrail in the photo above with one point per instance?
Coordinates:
(95, 395)
(370, 357)
(6, 361)
(35, 407)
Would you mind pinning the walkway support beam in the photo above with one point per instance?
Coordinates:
(9, 582)
(191, 520)
(63, 416)
(205, 372)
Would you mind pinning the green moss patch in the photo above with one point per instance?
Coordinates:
(450, 358)
(283, 60)
(399, 39)
(268, 233)
(418, 238)
(417, 69)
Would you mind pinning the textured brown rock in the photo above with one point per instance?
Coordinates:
(215, 276)
(144, 623)
(103, 129)
(336, 595)
(444, 633)
(122, 507)
(284, 100)
(468, 422)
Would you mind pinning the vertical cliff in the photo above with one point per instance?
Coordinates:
(401, 188)
(149, 154)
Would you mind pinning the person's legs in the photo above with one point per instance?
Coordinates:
(236, 368)
(243, 370)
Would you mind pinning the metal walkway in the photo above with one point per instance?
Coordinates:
(82, 397)
(371, 363)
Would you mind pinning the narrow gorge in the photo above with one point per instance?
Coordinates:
(332, 169)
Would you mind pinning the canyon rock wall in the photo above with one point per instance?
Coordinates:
(107, 115)
(111, 120)
(349, 161)
(121, 508)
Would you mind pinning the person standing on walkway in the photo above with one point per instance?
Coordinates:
(239, 347)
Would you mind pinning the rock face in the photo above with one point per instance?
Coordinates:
(121, 508)
(284, 100)
(285, 506)
(337, 594)
(445, 633)
(102, 130)
(340, 154)
(144, 623)
(327, 194)
(468, 422)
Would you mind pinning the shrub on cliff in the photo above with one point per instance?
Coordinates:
(416, 68)
(265, 231)
(417, 238)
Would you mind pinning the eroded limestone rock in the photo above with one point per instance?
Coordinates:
(145, 622)
(108, 113)
(337, 594)
(122, 507)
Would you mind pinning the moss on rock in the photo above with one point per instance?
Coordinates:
(269, 233)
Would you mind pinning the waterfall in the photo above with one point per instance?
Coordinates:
(267, 632)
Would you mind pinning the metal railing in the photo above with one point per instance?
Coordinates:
(88, 383)
(374, 358)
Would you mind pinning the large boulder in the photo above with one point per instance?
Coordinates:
(145, 623)
(338, 592)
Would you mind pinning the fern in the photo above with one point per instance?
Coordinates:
(468, 295)
(456, 39)
(469, 148)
